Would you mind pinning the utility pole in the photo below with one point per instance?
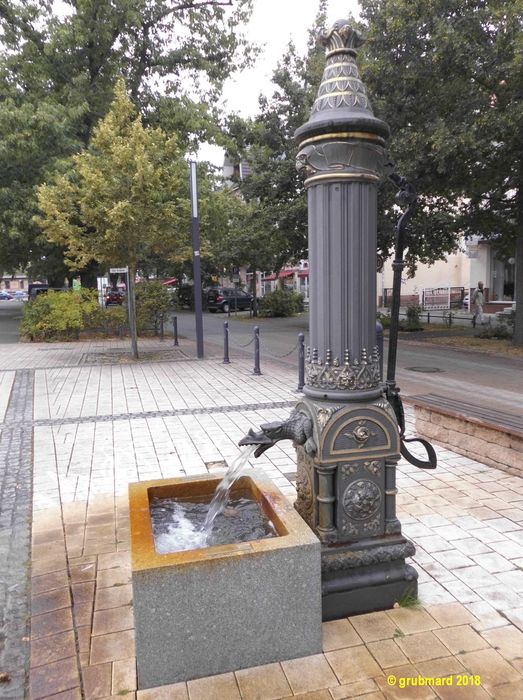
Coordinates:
(197, 272)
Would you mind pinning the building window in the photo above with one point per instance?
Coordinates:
(7, 284)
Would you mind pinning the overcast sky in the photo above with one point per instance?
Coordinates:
(272, 25)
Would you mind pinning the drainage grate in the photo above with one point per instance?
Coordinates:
(216, 465)
(426, 370)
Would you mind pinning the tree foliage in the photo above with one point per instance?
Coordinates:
(274, 189)
(57, 76)
(447, 76)
(125, 196)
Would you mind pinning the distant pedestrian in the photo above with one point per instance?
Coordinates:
(478, 299)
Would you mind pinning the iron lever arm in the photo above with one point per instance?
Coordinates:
(406, 197)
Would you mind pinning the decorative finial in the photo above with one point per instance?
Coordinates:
(341, 38)
(342, 104)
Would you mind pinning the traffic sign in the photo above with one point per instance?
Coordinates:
(117, 270)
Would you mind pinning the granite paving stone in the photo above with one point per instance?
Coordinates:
(99, 423)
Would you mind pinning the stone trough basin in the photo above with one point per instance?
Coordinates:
(221, 608)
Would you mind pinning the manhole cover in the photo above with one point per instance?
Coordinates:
(426, 370)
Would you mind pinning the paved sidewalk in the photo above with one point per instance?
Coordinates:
(98, 426)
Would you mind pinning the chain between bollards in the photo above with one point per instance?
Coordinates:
(256, 350)
(301, 360)
(175, 330)
(226, 360)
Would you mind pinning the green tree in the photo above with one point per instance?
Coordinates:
(125, 196)
(447, 76)
(241, 235)
(274, 188)
(57, 75)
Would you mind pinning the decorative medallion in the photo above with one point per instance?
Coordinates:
(361, 434)
(362, 499)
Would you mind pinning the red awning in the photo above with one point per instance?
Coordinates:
(304, 273)
(286, 273)
(173, 280)
(269, 278)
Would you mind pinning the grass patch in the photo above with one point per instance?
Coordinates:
(492, 346)
(408, 600)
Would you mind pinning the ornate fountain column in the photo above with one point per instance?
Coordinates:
(347, 470)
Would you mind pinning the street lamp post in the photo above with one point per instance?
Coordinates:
(197, 273)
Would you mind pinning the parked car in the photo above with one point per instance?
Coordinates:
(114, 296)
(20, 295)
(5, 296)
(36, 288)
(228, 299)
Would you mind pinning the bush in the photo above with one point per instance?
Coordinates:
(113, 319)
(384, 319)
(152, 301)
(501, 331)
(53, 316)
(413, 322)
(281, 303)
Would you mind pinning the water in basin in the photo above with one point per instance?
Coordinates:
(178, 525)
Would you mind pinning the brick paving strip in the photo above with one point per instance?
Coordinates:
(40, 422)
(16, 459)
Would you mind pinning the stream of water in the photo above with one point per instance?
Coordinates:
(221, 495)
(180, 525)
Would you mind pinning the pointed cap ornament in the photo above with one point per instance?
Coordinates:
(342, 103)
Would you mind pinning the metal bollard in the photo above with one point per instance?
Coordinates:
(428, 318)
(450, 318)
(301, 361)
(226, 360)
(379, 343)
(161, 328)
(175, 330)
(256, 350)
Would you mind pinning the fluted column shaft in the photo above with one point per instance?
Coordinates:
(342, 269)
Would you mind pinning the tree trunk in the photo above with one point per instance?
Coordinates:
(89, 275)
(518, 292)
(253, 292)
(131, 308)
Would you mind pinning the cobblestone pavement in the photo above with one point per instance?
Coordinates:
(97, 428)
(15, 531)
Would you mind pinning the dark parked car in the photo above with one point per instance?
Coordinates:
(36, 288)
(228, 299)
(114, 296)
(5, 296)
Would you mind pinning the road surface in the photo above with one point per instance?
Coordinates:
(491, 380)
(10, 317)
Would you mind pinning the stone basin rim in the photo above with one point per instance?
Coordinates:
(290, 527)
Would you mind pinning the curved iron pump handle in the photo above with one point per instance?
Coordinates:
(406, 197)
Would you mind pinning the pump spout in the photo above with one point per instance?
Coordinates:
(298, 428)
